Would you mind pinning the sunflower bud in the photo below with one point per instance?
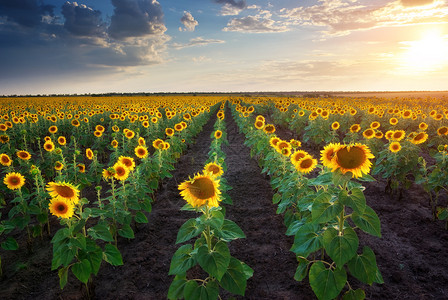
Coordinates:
(58, 151)
(98, 188)
(441, 148)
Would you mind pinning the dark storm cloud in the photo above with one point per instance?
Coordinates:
(136, 18)
(416, 2)
(27, 13)
(238, 4)
(82, 20)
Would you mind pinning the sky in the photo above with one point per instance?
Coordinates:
(100, 46)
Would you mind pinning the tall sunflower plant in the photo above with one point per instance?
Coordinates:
(210, 250)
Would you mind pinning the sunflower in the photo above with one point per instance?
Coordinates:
(419, 138)
(24, 155)
(327, 154)
(218, 134)
(58, 166)
(352, 158)
(393, 121)
(335, 125)
(442, 131)
(157, 144)
(121, 171)
(398, 135)
(368, 133)
(203, 189)
(283, 144)
(154, 120)
(14, 180)
(389, 134)
(49, 146)
(75, 123)
(259, 124)
(130, 134)
(53, 129)
(178, 127)
(127, 161)
(297, 156)
(260, 118)
(295, 143)
(81, 168)
(269, 128)
(169, 131)
(273, 141)
(375, 125)
(394, 147)
(141, 151)
(97, 133)
(286, 152)
(184, 125)
(108, 173)
(61, 208)
(62, 141)
(3, 127)
(306, 164)
(64, 191)
(47, 138)
(4, 138)
(114, 143)
(214, 169)
(379, 134)
(166, 146)
(141, 141)
(423, 126)
(355, 128)
(99, 128)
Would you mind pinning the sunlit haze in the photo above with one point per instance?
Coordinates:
(93, 46)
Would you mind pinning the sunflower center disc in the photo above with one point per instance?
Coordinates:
(351, 159)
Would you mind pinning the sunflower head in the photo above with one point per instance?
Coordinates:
(398, 135)
(369, 133)
(259, 124)
(14, 180)
(295, 143)
(203, 189)
(328, 153)
(442, 131)
(214, 169)
(354, 158)
(218, 134)
(49, 146)
(375, 125)
(157, 144)
(89, 153)
(419, 138)
(297, 156)
(335, 125)
(62, 140)
(61, 208)
(114, 143)
(355, 128)
(58, 166)
(141, 141)
(423, 126)
(269, 128)
(53, 129)
(108, 173)
(393, 121)
(63, 190)
(306, 164)
(127, 161)
(394, 147)
(130, 134)
(81, 168)
(5, 160)
(169, 131)
(121, 171)
(141, 151)
(4, 138)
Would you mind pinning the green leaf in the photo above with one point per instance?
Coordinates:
(60, 235)
(193, 291)
(140, 217)
(248, 271)
(10, 244)
(79, 241)
(230, 231)
(62, 256)
(326, 283)
(306, 240)
(341, 248)
(364, 266)
(215, 220)
(215, 262)
(126, 232)
(100, 232)
(357, 200)
(82, 270)
(63, 276)
(176, 290)
(188, 230)
(146, 204)
(95, 257)
(302, 269)
(295, 226)
(368, 221)
(234, 280)
(112, 255)
(182, 260)
(354, 295)
(341, 179)
(324, 211)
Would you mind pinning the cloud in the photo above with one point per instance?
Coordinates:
(254, 24)
(27, 13)
(189, 22)
(136, 18)
(82, 20)
(231, 7)
(342, 16)
(199, 41)
(416, 2)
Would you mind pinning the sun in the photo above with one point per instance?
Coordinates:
(427, 54)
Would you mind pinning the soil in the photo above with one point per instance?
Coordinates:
(411, 254)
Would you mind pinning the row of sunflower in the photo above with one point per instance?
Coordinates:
(316, 210)
(205, 193)
(61, 173)
(398, 133)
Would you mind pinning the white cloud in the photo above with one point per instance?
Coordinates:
(188, 21)
(254, 24)
(199, 41)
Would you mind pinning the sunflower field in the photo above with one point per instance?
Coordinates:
(223, 197)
